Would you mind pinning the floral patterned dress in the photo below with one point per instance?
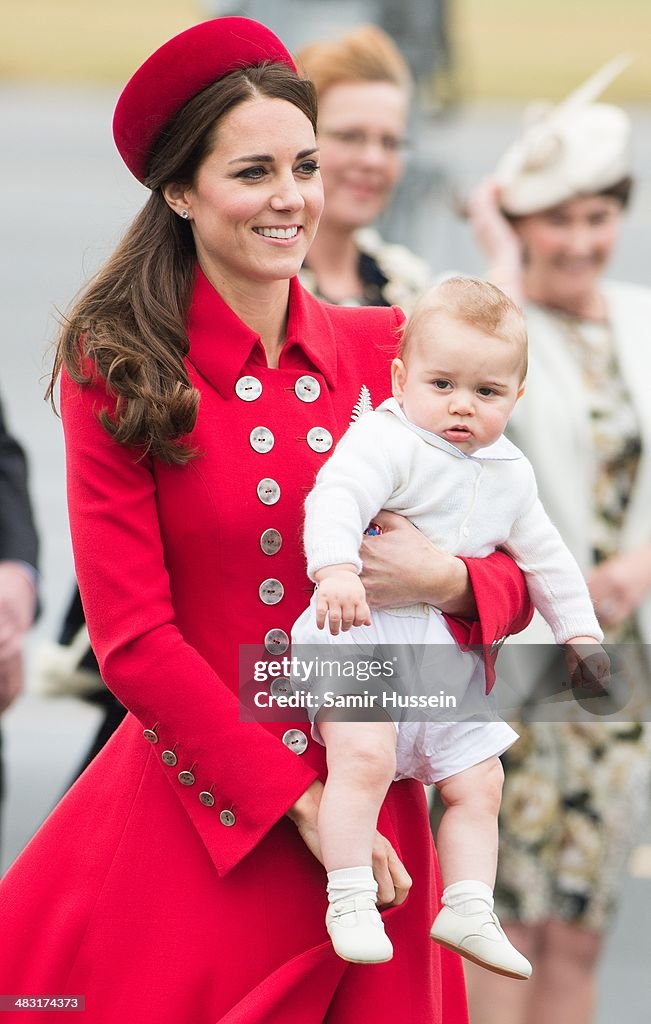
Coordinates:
(575, 792)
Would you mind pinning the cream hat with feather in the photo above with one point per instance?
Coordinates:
(577, 147)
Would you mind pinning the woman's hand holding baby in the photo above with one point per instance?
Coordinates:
(341, 599)
(390, 873)
(402, 567)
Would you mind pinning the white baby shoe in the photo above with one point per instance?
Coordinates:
(357, 931)
(480, 938)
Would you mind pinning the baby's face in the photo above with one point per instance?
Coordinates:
(462, 386)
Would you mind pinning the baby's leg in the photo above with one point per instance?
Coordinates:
(466, 841)
(361, 766)
(467, 847)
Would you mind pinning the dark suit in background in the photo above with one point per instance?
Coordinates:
(18, 564)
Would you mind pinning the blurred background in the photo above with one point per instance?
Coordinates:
(66, 197)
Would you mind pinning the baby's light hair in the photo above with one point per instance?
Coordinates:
(475, 302)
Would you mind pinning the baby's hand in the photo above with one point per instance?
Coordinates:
(342, 598)
(588, 665)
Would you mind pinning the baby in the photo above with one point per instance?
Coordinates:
(436, 454)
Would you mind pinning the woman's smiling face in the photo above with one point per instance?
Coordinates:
(362, 130)
(256, 199)
(567, 247)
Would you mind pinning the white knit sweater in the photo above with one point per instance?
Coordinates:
(464, 504)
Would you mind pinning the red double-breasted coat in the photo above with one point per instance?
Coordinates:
(169, 887)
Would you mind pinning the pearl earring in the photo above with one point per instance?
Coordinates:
(185, 214)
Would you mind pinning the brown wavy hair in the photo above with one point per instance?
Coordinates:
(129, 321)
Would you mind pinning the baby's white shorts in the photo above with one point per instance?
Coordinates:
(435, 693)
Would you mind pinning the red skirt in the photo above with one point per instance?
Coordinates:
(117, 900)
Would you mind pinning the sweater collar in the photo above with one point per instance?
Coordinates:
(500, 450)
(221, 344)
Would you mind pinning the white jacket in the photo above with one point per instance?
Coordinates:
(465, 504)
(551, 424)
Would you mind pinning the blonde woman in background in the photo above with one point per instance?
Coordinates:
(364, 89)
(575, 791)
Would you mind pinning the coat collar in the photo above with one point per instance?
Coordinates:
(501, 450)
(221, 344)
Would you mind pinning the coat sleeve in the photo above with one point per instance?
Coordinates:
(144, 659)
(503, 607)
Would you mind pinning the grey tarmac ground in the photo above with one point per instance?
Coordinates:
(64, 199)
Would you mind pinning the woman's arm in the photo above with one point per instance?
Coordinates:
(145, 660)
(402, 567)
(496, 239)
(503, 607)
(18, 557)
(390, 874)
(484, 599)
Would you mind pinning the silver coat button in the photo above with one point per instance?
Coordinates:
(268, 491)
(271, 542)
(169, 757)
(248, 389)
(227, 818)
(276, 641)
(186, 778)
(271, 591)
(150, 736)
(307, 388)
(280, 688)
(319, 439)
(207, 799)
(296, 740)
(262, 440)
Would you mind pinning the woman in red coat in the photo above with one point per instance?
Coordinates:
(178, 882)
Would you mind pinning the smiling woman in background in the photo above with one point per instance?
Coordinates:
(364, 90)
(575, 791)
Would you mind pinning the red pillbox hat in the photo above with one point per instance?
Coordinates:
(180, 69)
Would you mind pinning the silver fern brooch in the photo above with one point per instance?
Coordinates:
(362, 405)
